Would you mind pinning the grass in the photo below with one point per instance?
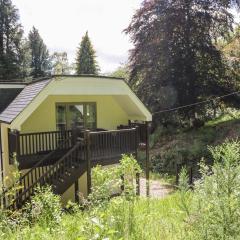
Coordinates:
(163, 178)
(142, 219)
(191, 145)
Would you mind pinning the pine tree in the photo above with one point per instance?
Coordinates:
(10, 41)
(40, 59)
(86, 59)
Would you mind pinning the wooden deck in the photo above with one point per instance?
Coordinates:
(30, 148)
(60, 158)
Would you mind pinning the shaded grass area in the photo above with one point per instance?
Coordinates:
(189, 146)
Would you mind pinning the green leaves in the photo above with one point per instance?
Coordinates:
(216, 200)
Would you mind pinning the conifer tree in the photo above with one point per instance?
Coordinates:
(86, 59)
(10, 41)
(40, 59)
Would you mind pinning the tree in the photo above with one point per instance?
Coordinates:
(175, 60)
(40, 59)
(231, 50)
(60, 63)
(86, 59)
(10, 41)
(121, 72)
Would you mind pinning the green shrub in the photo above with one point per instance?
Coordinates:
(105, 182)
(215, 206)
(44, 208)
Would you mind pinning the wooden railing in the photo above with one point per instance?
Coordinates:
(53, 173)
(33, 143)
(95, 148)
(141, 130)
(37, 143)
(10, 196)
(110, 144)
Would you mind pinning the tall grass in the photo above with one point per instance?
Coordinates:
(142, 219)
(211, 211)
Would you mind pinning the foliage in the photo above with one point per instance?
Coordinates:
(40, 59)
(231, 50)
(189, 146)
(129, 167)
(104, 183)
(44, 208)
(211, 211)
(10, 41)
(60, 63)
(86, 60)
(175, 60)
(150, 219)
(107, 182)
(121, 72)
(215, 205)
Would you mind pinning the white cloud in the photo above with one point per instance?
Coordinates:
(62, 24)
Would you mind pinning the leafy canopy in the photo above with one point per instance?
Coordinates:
(175, 60)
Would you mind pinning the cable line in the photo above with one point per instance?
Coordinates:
(195, 104)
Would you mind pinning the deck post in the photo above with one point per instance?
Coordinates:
(76, 190)
(138, 184)
(87, 146)
(147, 157)
(136, 156)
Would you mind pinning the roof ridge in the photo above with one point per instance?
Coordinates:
(87, 75)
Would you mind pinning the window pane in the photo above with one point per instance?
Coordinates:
(61, 117)
(76, 116)
(90, 116)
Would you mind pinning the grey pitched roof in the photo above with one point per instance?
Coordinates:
(23, 99)
(7, 95)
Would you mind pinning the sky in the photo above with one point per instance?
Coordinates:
(62, 24)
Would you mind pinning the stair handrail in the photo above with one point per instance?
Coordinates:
(45, 158)
(46, 174)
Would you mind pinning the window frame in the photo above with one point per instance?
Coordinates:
(68, 104)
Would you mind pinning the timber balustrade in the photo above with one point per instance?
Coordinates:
(33, 143)
(94, 148)
(26, 144)
(110, 144)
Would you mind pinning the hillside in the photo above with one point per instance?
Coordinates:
(189, 146)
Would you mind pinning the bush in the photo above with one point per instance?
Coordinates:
(215, 206)
(44, 208)
(105, 182)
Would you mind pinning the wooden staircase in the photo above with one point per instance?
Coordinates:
(60, 175)
(104, 147)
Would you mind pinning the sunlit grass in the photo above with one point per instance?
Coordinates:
(148, 219)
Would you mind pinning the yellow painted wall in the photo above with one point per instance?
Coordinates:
(69, 195)
(8, 169)
(109, 113)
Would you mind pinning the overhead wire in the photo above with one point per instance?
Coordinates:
(195, 104)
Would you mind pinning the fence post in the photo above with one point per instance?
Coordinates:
(191, 175)
(147, 157)
(138, 184)
(177, 174)
(88, 159)
(122, 185)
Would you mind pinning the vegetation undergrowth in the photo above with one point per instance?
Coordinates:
(207, 210)
(171, 147)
